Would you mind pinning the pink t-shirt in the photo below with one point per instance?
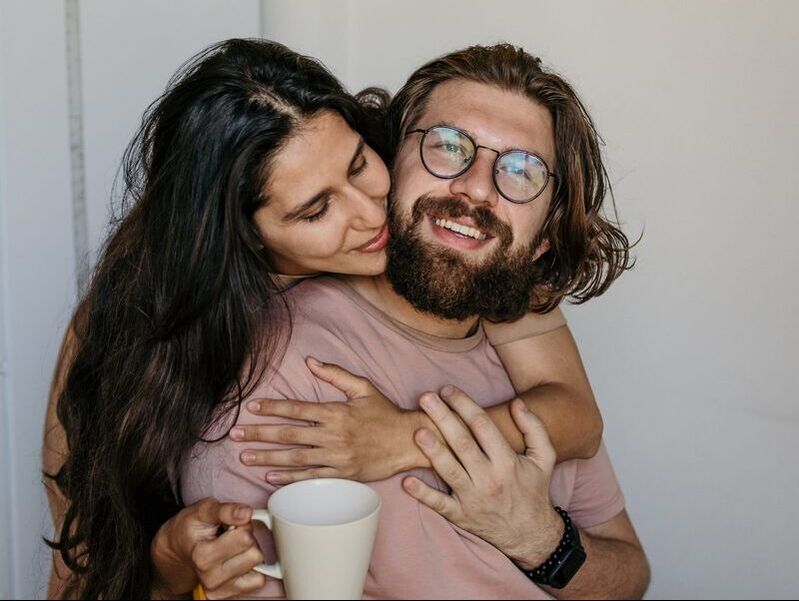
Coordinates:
(418, 554)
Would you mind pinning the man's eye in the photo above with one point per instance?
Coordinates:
(454, 148)
(518, 171)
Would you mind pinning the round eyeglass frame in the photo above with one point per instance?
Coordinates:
(468, 166)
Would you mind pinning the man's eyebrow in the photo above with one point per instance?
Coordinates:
(324, 194)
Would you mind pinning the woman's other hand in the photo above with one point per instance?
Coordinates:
(189, 550)
(367, 438)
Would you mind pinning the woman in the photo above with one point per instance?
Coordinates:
(168, 338)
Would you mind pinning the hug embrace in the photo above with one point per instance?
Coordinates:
(305, 283)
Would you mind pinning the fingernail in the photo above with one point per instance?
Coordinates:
(241, 512)
(447, 391)
(411, 484)
(314, 362)
(248, 457)
(274, 478)
(428, 400)
(254, 406)
(425, 438)
(237, 433)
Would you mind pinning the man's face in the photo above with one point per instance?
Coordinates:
(447, 273)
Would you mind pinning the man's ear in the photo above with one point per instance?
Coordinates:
(542, 248)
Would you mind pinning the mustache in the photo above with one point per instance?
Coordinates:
(448, 206)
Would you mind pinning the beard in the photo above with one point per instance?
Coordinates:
(442, 282)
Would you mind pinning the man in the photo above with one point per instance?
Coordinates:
(481, 226)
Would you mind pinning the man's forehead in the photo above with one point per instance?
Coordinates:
(494, 117)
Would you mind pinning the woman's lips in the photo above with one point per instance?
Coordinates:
(377, 243)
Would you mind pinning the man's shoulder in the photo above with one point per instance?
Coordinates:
(326, 323)
(326, 319)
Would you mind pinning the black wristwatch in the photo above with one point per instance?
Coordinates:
(565, 561)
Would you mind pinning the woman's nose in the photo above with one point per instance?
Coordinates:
(367, 213)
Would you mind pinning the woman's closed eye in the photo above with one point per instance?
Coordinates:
(319, 214)
(357, 170)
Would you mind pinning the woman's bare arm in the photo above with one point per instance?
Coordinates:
(370, 438)
(548, 375)
(54, 453)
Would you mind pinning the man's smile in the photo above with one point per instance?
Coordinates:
(459, 233)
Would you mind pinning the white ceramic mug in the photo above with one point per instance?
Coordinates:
(324, 532)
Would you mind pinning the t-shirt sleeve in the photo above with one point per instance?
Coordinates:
(597, 496)
(293, 381)
(228, 478)
(530, 325)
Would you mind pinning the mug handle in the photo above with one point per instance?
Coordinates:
(269, 569)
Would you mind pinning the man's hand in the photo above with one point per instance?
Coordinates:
(498, 495)
(188, 550)
(366, 438)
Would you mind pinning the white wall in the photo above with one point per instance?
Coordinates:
(37, 259)
(318, 28)
(5, 431)
(129, 49)
(692, 354)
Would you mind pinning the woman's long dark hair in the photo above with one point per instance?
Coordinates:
(179, 321)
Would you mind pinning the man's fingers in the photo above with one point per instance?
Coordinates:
(442, 504)
(443, 461)
(455, 432)
(482, 427)
(351, 385)
(536, 438)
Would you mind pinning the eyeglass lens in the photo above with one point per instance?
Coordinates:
(518, 175)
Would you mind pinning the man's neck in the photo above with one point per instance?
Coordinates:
(378, 291)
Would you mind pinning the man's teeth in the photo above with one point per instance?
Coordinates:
(461, 229)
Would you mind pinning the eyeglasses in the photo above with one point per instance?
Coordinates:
(448, 152)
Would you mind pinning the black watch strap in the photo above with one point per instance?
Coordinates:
(565, 561)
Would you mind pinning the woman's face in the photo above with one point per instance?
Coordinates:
(326, 202)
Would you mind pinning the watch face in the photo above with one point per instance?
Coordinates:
(568, 567)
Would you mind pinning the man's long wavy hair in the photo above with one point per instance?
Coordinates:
(588, 251)
(180, 320)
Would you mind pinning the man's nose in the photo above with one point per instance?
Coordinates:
(477, 184)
